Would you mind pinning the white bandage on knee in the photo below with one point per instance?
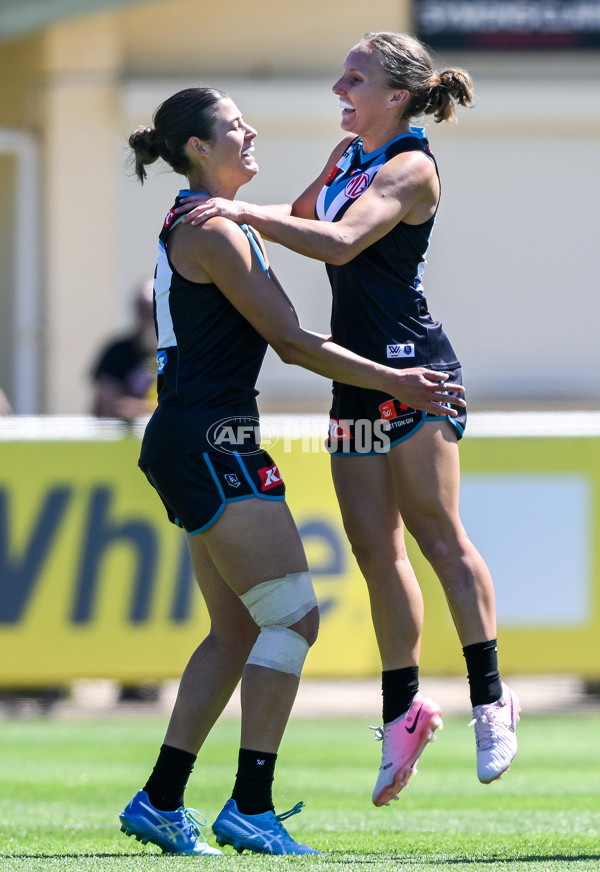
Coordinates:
(281, 649)
(275, 605)
(282, 601)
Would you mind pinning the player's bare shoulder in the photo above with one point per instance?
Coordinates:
(412, 168)
(215, 235)
(194, 250)
(412, 180)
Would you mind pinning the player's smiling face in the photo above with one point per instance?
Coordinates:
(368, 103)
(233, 144)
(221, 164)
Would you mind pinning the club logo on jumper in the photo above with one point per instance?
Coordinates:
(407, 349)
(169, 218)
(357, 186)
(269, 477)
(241, 433)
(232, 479)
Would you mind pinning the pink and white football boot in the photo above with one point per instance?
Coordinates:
(495, 735)
(404, 741)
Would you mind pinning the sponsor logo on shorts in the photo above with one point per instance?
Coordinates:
(399, 423)
(232, 479)
(360, 436)
(406, 349)
(338, 430)
(393, 409)
(387, 410)
(269, 477)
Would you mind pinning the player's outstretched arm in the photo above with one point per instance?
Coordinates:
(404, 183)
(225, 256)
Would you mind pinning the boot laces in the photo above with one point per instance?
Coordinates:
(286, 814)
(378, 733)
(196, 820)
(485, 730)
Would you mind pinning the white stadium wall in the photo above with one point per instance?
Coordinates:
(512, 271)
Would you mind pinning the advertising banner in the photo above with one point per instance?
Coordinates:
(508, 24)
(96, 583)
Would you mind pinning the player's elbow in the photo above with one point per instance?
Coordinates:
(343, 249)
(292, 345)
(341, 258)
(286, 350)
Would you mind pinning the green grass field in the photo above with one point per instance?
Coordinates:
(63, 783)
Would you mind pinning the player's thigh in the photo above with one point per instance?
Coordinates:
(425, 475)
(255, 540)
(228, 615)
(365, 494)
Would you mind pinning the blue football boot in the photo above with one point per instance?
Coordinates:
(261, 833)
(176, 832)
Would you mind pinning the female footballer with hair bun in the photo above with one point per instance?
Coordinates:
(369, 216)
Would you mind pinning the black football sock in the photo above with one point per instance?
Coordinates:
(485, 686)
(399, 687)
(167, 783)
(254, 781)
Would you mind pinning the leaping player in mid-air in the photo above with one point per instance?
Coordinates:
(369, 216)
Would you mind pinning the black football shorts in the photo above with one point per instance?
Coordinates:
(196, 488)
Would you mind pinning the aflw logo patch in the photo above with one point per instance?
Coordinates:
(405, 350)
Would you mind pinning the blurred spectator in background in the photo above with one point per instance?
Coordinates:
(124, 375)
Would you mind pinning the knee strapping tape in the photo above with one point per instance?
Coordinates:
(281, 649)
(282, 601)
